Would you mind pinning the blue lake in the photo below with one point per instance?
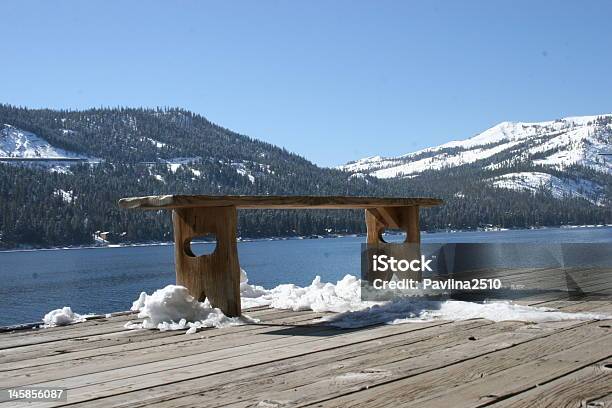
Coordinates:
(103, 280)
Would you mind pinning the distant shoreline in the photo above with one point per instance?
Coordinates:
(292, 238)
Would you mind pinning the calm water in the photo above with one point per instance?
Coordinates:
(103, 280)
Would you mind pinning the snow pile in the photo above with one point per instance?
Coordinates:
(252, 295)
(344, 298)
(62, 317)
(173, 308)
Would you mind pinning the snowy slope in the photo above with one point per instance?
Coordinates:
(21, 144)
(559, 187)
(557, 144)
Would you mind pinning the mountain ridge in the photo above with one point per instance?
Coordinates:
(138, 152)
(504, 131)
(540, 148)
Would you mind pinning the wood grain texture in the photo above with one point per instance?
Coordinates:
(289, 360)
(85, 346)
(590, 387)
(215, 276)
(485, 370)
(230, 343)
(322, 367)
(375, 226)
(411, 224)
(402, 218)
(274, 202)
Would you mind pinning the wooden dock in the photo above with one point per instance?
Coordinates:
(287, 360)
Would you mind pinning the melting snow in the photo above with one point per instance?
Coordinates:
(344, 298)
(62, 317)
(173, 308)
(319, 297)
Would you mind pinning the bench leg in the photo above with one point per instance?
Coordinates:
(215, 276)
(403, 218)
(412, 225)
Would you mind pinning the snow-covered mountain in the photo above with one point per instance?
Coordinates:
(17, 143)
(484, 181)
(544, 147)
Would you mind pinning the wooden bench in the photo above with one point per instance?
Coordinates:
(217, 276)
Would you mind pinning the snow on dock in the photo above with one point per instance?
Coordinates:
(285, 357)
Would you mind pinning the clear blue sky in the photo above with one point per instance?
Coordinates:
(330, 80)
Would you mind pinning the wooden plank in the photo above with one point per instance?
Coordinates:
(253, 373)
(275, 202)
(173, 370)
(134, 340)
(389, 216)
(216, 276)
(524, 377)
(40, 330)
(375, 226)
(307, 357)
(42, 337)
(131, 354)
(310, 378)
(410, 220)
(115, 324)
(99, 344)
(316, 358)
(403, 218)
(227, 388)
(455, 384)
(204, 351)
(574, 306)
(93, 345)
(587, 387)
(26, 328)
(604, 401)
(587, 280)
(598, 286)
